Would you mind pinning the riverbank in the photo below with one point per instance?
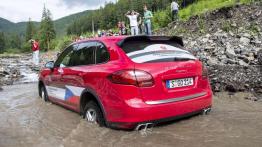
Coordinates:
(19, 68)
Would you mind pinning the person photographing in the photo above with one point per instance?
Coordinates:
(132, 16)
(35, 49)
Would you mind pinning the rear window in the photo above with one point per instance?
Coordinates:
(155, 51)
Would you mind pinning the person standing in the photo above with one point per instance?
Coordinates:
(123, 26)
(133, 22)
(35, 49)
(147, 21)
(119, 26)
(174, 9)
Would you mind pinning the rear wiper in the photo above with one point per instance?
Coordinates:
(183, 59)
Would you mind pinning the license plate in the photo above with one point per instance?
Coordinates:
(179, 83)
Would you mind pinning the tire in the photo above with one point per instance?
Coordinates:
(93, 114)
(44, 95)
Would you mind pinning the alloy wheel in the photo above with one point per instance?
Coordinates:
(91, 115)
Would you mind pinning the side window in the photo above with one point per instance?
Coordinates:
(63, 59)
(102, 55)
(84, 55)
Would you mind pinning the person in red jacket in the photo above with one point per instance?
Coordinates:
(35, 49)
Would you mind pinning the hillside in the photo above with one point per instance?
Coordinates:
(5, 24)
(60, 24)
(229, 41)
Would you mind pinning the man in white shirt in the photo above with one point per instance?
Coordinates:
(133, 22)
(174, 9)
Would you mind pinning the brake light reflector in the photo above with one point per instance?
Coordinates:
(204, 72)
(132, 77)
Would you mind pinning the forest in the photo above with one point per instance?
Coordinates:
(108, 16)
(58, 34)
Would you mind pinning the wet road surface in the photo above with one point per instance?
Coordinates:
(27, 121)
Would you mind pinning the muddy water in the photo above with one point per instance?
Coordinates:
(27, 121)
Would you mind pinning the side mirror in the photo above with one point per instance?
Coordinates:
(50, 65)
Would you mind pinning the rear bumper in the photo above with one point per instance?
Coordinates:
(136, 111)
(132, 125)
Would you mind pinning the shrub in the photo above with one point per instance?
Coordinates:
(12, 51)
(62, 43)
(162, 18)
(26, 47)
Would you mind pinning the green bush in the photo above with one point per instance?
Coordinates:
(202, 6)
(12, 51)
(162, 18)
(26, 47)
(62, 43)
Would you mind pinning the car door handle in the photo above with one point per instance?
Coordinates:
(80, 74)
(60, 70)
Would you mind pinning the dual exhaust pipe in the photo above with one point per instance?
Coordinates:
(146, 126)
(206, 111)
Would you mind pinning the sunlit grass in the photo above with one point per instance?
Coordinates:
(203, 6)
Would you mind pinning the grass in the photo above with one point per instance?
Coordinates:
(12, 51)
(163, 17)
(203, 6)
(5, 54)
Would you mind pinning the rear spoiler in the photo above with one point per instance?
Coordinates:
(176, 39)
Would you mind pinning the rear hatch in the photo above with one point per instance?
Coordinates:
(175, 71)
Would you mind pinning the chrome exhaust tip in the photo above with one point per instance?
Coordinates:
(206, 111)
(144, 126)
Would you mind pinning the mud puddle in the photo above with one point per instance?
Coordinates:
(27, 121)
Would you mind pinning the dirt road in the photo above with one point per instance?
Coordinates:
(27, 121)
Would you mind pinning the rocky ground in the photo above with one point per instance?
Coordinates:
(20, 69)
(229, 42)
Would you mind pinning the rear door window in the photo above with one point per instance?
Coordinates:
(102, 55)
(155, 51)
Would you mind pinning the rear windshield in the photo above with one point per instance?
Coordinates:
(155, 51)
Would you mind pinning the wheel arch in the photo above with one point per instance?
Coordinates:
(40, 84)
(88, 95)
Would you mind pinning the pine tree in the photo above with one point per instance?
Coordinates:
(14, 41)
(29, 30)
(2, 42)
(47, 30)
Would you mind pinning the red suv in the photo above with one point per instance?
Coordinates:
(124, 82)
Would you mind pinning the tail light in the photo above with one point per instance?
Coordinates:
(132, 77)
(204, 72)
